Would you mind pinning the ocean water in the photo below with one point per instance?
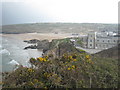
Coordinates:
(12, 53)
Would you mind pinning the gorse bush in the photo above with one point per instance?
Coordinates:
(70, 71)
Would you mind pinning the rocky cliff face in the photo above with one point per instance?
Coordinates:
(44, 44)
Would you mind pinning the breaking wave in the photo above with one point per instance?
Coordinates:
(0, 46)
(4, 51)
(13, 62)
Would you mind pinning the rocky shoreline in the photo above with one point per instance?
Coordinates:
(57, 47)
(37, 44)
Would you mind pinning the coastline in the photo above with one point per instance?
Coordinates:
(39, 36)
(18, 44)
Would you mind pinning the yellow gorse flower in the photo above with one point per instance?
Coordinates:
(42, 59)
(70, 57)
(47, 74)
(30, 70)
(73, 66)
(68, 68)
(74, 59)
(87, 57)
(35, 80)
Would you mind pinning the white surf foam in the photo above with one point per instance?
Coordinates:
(13, 62)
(0, 46)
(4, 51)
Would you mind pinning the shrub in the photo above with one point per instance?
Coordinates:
(70, 71)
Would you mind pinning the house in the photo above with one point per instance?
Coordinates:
(102, 40)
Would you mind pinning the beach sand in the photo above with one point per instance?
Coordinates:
(39, 36)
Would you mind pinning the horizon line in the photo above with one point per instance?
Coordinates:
(58, 22)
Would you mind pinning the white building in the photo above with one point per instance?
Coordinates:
(103, 40)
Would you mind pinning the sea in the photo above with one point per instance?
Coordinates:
(12, 54)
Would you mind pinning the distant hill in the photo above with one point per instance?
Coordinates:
(110, 53)
(57, 27)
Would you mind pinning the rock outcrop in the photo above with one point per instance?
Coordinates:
(31, 47)
(61, 49)
(32, 41)
(56, 48)
(44, 44)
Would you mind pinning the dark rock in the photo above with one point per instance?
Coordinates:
(25, 41)
(44, 44)
(31, 47)
(32, 41)
(44, 50)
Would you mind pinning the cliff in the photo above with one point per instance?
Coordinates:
(44, 44)
(61, 49)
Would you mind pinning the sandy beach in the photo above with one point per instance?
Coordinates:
(39, 36)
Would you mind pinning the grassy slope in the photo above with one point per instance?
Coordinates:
(72, 70)
(110, 53)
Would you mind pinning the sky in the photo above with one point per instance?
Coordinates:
(66, 11)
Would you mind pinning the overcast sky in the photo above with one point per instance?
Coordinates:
(75, 11)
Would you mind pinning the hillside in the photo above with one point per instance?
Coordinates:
(70, 69)
(63, 48)
(57, 27)
(109, 53)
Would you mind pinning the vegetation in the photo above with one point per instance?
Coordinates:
(57, 27)
(110, 53)
(55, 42)
(76, 70)
(79, 41)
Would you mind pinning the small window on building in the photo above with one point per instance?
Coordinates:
(91, 35)
(90, 40)
(98, 40)
(108, 40)
(103, 40)
(90, 44)
(114, 40)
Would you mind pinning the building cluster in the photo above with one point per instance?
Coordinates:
(101, 40)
